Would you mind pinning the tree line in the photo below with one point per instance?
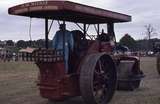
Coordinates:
(127, 40)
(24, 44)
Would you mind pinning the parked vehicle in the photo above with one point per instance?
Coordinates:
(92, 66)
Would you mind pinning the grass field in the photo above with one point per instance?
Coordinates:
(18, 86)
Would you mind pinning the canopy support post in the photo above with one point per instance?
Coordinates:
(98, 30)
(46, 33)
(98, 33)
(110, 28)
(84, 30)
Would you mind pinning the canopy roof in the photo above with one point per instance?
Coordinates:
(68, 11)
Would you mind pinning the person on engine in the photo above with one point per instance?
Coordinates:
(68, 42)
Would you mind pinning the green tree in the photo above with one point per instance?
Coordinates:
(40, 43)
(21, 44)
(128, 41)
(10, 43)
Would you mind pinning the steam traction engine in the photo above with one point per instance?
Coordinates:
(92, 64)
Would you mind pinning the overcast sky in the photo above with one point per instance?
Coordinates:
(143, 12)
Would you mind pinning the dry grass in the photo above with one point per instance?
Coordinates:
(17, 86)
(17, 83)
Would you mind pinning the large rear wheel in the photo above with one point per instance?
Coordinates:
(98, 79)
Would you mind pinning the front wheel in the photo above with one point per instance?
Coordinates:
(98, 79)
